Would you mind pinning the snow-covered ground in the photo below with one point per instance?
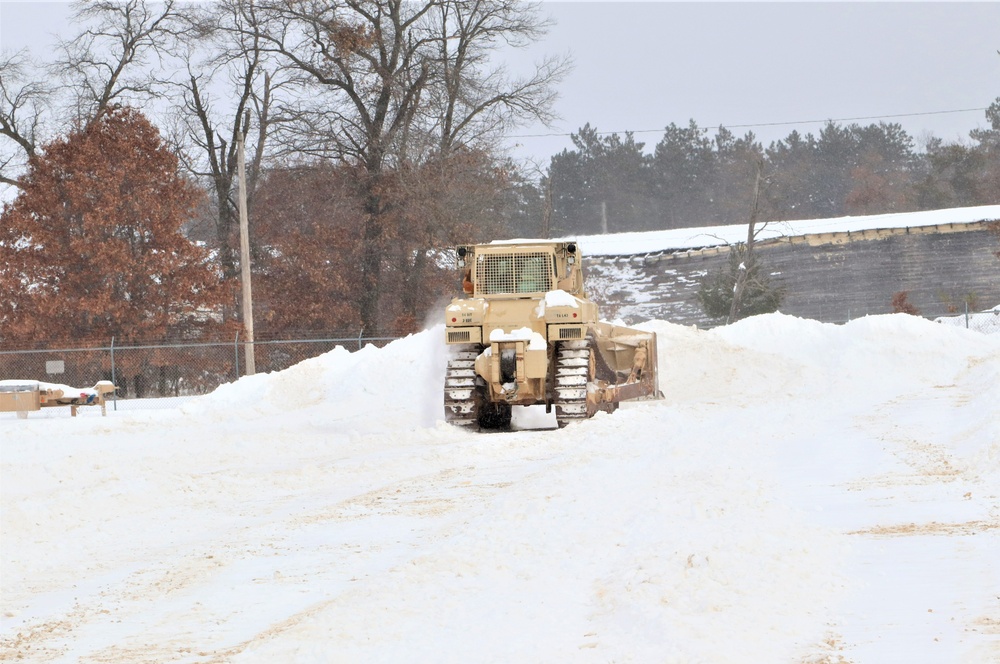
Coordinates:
(805, 493)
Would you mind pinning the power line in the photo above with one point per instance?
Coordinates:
(763, 124)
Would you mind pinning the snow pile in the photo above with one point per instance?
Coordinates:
(560, 298)
(345, 389)
(805, 493)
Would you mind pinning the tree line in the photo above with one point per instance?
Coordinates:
(611, 183)
(373, 132)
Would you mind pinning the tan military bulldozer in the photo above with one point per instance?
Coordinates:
(525, 334)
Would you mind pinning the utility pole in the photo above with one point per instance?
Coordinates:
(251, 367)
(547, 208)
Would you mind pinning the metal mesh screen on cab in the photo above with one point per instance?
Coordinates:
(516, 273)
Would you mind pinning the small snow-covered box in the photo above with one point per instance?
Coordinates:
(19, 396)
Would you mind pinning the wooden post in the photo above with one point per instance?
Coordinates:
(251, 368)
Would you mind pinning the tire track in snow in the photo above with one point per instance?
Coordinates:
(425, 501)
(931, 474)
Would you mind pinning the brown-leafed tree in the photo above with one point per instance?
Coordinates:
(451, 198)
(91, 248)
(306, 267)
(901, 304)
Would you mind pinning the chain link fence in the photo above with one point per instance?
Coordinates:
(987, 322)
(162, 375)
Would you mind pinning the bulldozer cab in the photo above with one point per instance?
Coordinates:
(518, 270)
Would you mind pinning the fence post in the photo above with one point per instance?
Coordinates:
(114, 377)
(236, 351)
(360, 332)
(967, 314)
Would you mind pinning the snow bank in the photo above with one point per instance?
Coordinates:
(368, 391)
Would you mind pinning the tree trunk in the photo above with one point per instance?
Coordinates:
(748, 257)
(371, 257)
(410, 297)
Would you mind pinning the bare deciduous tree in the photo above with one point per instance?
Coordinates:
(114, 59)
(743, 288)
(749, 258)
(477, 99)
(229, 92)
(363, 60)
(24, 103)
(396, 81)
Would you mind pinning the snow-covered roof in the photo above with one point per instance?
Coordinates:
(680, 239)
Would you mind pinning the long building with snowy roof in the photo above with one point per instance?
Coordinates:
(832, 270)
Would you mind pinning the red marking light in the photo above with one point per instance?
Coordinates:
(574, 315)
(454, 320)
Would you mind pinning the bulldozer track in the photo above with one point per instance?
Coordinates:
(460, 386)
(574, 371)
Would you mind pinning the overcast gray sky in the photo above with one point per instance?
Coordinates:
(642, 65)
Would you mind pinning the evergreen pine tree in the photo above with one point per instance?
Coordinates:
(760, 295)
